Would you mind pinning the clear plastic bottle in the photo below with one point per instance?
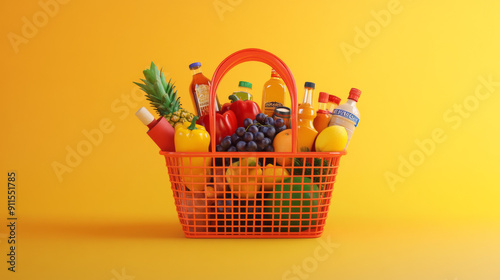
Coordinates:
(273, 94)
(333, 102)
(347, 114)
(306, 131)
(244, 91)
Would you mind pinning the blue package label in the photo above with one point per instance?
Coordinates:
(347, 115)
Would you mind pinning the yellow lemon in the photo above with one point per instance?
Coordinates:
(332, 139)
(273, 174)
(245, 177)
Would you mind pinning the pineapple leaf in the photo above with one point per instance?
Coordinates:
(170, 87)
(157, 75)
(149, 85)
(163, 80)
(161, 94)
(141, 86)
(159, 88)
(155, 70)
(144, 87)
(149, 75)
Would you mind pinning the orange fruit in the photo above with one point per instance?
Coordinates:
(283, 144)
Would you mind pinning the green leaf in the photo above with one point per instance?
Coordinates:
(159, 88)
(155, 70)
(163, 80)
(149, 75)
(160, 93)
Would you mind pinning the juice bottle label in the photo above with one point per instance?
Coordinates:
(347, 115)
(270, 106)
(203, 93)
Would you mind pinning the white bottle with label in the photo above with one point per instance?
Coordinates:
(347, 114)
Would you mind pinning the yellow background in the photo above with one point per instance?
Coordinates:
(113, 214)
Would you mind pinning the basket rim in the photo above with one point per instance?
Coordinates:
(256, 154)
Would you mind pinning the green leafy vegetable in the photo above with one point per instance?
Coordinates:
(314, 170)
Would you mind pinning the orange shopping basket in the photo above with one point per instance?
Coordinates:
(253, 194)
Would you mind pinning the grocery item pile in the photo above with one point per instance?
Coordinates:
(252, 183)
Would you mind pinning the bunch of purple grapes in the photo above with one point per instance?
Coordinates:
(255, 136)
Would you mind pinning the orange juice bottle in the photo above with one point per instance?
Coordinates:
(306, 131)
(323, 116)
(274, 93)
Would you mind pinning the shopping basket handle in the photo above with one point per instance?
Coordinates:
(254, 55)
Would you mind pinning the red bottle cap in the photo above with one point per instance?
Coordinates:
(323, 97)
(354, 94)
(274, 74)
(334, 99)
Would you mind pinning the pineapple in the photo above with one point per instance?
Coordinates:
(163, 96)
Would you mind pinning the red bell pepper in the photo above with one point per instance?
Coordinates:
(225, 107)
(226, 124)
(243, 109)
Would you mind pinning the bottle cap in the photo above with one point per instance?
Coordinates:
(274, 74)
(144, 116)
(323, 97)
(282, 111)
(194, 65)
(309, 85)
(245, 84)
(334, 99)
(354, 94)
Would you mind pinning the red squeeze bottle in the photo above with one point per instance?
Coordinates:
(160, 130)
